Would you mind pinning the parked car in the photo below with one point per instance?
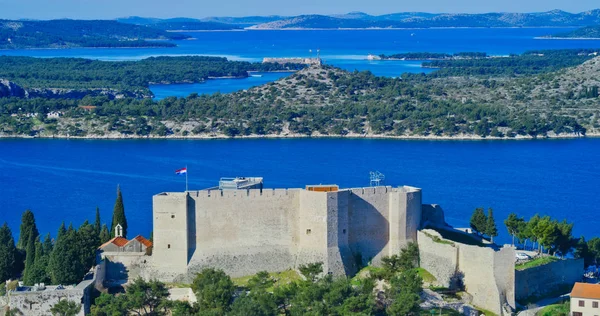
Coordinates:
(522, 256)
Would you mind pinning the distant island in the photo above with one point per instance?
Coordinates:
(180, 24)
(358, 20)
(431, 56)
(16, 34)
(550, 93)
(588, 32)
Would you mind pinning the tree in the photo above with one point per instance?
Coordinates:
(257, 303)
(261, 281)
(404, 293)
(65, 265)
(39, 273)
(514, 225)
(104, 234)
(478, 221)
(532, 228)
(147, 296)
(65, 308)
(565, 241)
(29, 259)
(490, 227)
(87, 243)
(8, 254)
(118, 215)
(97, 223)
(311, 271)
(27, 227)
(214, 290)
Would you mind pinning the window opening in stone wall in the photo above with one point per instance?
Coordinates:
(172, 216)
(308, 231)
(581, 304)
(343, 231)
(169, 246)
(595, 304)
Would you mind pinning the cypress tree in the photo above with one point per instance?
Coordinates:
(47, 245)
(40, 273)
(97, 223)
(8, 253)
(87, 243)
(118, 215)
(61, 231)
(104, 234)
(27, 227)
(490, 227)
(29, 259)
(65, 263)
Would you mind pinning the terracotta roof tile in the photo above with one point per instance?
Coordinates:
(118, 241)
(586, 290)
(143, 240)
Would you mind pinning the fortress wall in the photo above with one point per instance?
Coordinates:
(504, 272)
(243, 231)
(538, 281)
(440, 259)
(340, 259)
(369, 232)
(170, 248)
(312, 229)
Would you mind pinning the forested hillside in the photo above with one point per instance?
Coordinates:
(328, 101)
(125, 76)
(80, 33)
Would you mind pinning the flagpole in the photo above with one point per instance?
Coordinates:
(186, 178)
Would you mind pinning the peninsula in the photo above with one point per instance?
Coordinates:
(541, 94)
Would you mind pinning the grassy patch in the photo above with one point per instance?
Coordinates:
(436, 312)
(364, 273)
(485, 312)
(281, 278)
(438, 239)
(426, 276)
(177, 285)
(536, 262)
(562, 309)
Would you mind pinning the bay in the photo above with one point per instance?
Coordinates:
(64, 180)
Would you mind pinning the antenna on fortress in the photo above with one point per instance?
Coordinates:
(376, 178)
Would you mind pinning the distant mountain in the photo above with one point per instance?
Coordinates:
(555, 18)
(584, 32)
(80, 33)
(245, 21)
(178, 24)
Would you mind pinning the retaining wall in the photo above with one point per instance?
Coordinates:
(542, 280)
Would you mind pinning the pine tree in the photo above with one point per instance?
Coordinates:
(29, 259)
(97, 223)
(61, 231)
(479, 221)
(47, 245)
(8, 254)
(490, 227)
(104, 234)
(118, 215)
(27, 226)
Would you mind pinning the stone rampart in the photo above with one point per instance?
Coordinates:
(548, 278)
(487, 274)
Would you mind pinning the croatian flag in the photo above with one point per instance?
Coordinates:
(181, 171)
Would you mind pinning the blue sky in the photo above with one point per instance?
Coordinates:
(99, 9)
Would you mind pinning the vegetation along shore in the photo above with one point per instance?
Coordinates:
(534, 95)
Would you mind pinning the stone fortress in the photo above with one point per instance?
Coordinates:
(242, 228)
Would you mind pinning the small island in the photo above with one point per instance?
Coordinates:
(588, 32)
(432, 56)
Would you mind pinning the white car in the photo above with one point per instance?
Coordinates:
(522, 256)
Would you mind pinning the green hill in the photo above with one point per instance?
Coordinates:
(80, 33)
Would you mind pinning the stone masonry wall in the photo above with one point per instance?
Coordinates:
(545, 279)
(441, 260)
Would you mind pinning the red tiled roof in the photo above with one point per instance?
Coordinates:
(118, 241)
(586, 290)
(143, 240)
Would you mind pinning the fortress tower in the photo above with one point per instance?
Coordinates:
(242, 228)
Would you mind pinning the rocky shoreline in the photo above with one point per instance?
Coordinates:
(461, 137)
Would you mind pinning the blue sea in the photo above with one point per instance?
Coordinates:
(64, 180)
